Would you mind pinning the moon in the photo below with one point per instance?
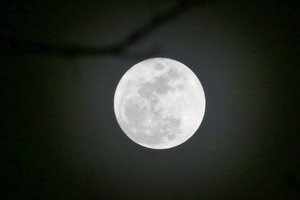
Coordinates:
(159, 103)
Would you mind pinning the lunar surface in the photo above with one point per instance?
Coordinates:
(159, 103)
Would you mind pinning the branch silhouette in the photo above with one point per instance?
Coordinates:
(19, 46)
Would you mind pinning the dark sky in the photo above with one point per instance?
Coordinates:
(61, 62)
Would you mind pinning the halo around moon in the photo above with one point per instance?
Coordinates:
(159, 103)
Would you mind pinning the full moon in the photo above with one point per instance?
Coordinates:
(159, 103)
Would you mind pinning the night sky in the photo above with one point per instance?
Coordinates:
(61, 62)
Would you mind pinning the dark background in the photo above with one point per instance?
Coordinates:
(61, 62)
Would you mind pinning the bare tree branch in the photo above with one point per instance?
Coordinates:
(120, 48)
